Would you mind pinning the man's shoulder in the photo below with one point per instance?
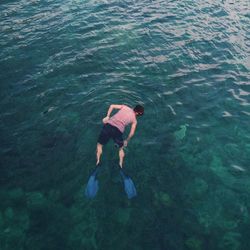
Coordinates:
(126, 107)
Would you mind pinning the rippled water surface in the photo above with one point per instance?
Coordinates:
(62, 63)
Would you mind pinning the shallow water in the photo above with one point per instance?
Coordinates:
(62, 63)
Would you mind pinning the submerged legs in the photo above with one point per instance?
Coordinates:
(99, 153)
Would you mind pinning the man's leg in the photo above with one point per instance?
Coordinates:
(121, 156)
(98, 153)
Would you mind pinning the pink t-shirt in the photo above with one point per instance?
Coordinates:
(122, 118)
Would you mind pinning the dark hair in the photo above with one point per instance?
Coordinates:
(139, 109)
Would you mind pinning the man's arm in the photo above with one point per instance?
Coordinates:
(111, 107)
(131, 133)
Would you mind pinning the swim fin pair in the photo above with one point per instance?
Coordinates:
(92, 185)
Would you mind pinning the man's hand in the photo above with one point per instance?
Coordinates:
(132, 131)
(105, 119)
(125, 143)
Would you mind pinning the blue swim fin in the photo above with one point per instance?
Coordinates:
(128, 185)
(92, 185)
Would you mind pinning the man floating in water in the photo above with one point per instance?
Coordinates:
(114, 128)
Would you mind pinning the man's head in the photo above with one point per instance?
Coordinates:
(139, 110)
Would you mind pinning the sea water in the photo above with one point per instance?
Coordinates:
(62, 63)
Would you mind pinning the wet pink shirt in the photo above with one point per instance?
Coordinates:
(122, 118)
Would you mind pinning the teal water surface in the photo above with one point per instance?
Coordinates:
(62, 63)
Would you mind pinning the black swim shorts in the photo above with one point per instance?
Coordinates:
(108, 131)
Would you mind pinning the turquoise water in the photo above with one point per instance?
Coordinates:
(62, 63)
